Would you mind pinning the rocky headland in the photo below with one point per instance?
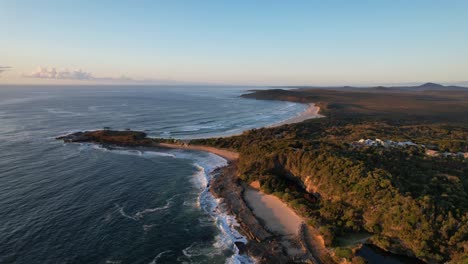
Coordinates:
(264, 245)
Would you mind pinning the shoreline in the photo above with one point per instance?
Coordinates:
(264, 244)
(224, 153)
(311, 112)
(268, 223)
(274, 232)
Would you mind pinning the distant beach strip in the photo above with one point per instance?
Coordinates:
(311, 112)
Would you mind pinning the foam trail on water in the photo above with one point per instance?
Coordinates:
(122, 212)
(140, 214)
(146, 228)
(155, 260)
(61, 112)
(169, 202)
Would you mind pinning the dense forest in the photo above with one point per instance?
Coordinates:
(412, 203)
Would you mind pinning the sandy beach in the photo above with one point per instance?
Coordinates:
(312, 111)
(264, 219)
(275, 214)
(227, 154)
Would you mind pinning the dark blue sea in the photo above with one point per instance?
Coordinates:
(82, 203)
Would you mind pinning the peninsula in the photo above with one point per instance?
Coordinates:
(403, 200)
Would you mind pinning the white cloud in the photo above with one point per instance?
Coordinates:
(53, 73)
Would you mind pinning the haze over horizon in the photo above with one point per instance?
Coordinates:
(238, 43)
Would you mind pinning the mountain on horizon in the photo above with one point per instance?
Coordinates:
(429, 86)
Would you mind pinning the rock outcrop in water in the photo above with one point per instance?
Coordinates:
(108, 136)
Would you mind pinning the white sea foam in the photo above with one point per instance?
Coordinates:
(154, 153)
(205, 163)
(24, 100)
(198, 127)
(122, 213)
(190, 204)
(194, 250)
(140, 214)
(155, 260)
(189, 129)
(147, 228)
(94, 107)
(124, 151)
(214, 208)
(58, 111)
(113, 261)
(166, 134)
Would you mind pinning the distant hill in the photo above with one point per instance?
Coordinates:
(431, 87)
(430, 101)
(424, 87)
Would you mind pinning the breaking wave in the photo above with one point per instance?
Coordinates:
(214, 208)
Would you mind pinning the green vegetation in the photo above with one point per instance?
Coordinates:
(344, 253)
(413, 203)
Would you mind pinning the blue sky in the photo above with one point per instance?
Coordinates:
(234, 42)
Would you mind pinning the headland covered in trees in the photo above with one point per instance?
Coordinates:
(404, 200)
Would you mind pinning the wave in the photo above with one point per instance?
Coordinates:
(214, 208)
(154, 153)
(205, 164)
(166, 134)
(24, 100)
(95, 108)
(58, 111)
(124, 151)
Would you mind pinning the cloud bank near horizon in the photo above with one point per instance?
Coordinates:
(53, 73)
(4, 69)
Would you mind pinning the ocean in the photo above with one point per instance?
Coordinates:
(82, 203)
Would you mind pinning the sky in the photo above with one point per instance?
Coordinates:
(233, 42)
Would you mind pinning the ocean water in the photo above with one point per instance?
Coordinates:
(82, 203)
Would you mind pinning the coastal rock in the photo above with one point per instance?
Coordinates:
(262, 245)
(107, 136)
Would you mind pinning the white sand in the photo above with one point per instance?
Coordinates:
(311, 112)
(227, 154)
(276, 215)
